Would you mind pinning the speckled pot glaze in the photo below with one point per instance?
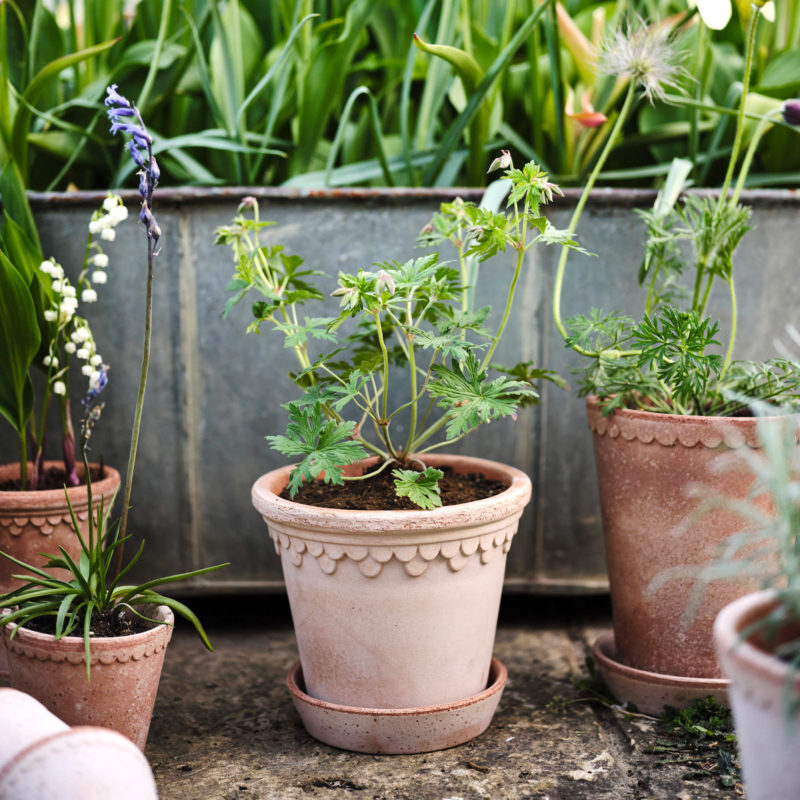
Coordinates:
(768, 742)
(395, 609)
(651, 691)
(38, 522)
(79, 764)
(124, 676)
(647, 464)
(42, 758)
(402, 730)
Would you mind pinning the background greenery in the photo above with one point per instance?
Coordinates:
(333, 92)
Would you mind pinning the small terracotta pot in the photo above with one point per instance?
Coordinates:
(647, 464)
(42, 758)
(38, 522)
(395, 609)
(768, 740)
(124, 675)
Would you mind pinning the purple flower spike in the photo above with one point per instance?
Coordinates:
(113, 97)
(96, 386)
(140, 147)
(791, 112)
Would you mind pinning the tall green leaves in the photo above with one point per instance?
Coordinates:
(19, 343)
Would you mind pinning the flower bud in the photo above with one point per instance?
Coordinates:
(791, 112)
(56, 286)
(70, 347)
(384, 283)
(503, 161)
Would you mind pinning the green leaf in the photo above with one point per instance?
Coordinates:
(422, 488)
(297, 335)
(19, 343)
(471, 399)
(326, 445)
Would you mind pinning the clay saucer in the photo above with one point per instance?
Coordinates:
(651, 691)
(398, 730)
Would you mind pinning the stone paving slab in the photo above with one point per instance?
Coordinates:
(225, 729)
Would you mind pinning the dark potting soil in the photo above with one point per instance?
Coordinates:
(378, 493)
(107, 623)
(53, 478)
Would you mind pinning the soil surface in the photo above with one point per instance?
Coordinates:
(116, 622)
(378, 493)
(53, 478)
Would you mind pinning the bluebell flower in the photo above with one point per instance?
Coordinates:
(140, 147)
(96, 385)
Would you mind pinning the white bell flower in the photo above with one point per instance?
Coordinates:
(59, 387)
(89, 296)
(109, 234)
(100, 260)
(98, 276)
(70, 347)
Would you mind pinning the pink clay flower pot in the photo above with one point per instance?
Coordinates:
(395, 609)
(125, 671)
(38, 522)
(647, 465)
(769, 741)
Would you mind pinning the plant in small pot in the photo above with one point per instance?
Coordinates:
(664, 404)
(87, 646)
(42, 330)
(758, 635)
(394, 556)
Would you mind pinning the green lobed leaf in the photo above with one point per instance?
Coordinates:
(422, 488)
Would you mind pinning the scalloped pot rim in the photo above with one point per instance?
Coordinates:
(54, 498)
(264, 495)
(26, 639)
(686, 429)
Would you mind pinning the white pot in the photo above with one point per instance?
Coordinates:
(769, 743)
(42, 758)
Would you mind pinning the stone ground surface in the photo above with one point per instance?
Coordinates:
(225, 728)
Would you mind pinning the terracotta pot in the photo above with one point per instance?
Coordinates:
(395, 609)
(41, 757)
(38, 522)
(124, 675)
(768, 740)
(647, 465)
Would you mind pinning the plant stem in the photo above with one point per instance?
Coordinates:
(734, 319)
(737, 140)
(137, 416)
(751, 150)
(562, 262)
(521, 250)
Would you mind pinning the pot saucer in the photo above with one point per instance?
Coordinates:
(651, 691)
(398, 730)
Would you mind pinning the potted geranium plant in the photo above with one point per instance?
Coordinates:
(758, 635)
(87, 646)
(393, 555)
(664, 403)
